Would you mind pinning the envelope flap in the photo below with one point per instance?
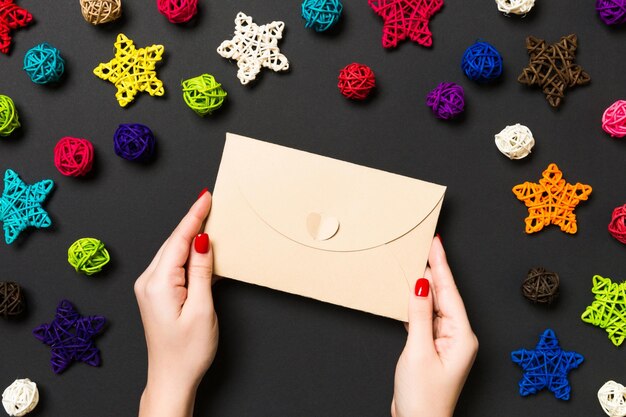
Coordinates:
(325, 203)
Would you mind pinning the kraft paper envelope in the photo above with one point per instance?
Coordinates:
(320, 227)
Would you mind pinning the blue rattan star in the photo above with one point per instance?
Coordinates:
(546, 366)
(20, 205)
(70, 337)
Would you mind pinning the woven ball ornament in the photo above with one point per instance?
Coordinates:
(88, 256)
(73, 157)
(178, 11)
(617, 227)
(482, 62)
(515, 141)
(11, 299)
(519, 7)
(612, 12)
(98, 12)
(614, 119)
(356, 81)
(203, 94)
(321, 15)
(447, 100)
(43, 64)
(8, 116)
(541, 286)
(612, 397)
(20, 398)
(134, 142)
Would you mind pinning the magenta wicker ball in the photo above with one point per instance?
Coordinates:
(612, 12)
(446, 101)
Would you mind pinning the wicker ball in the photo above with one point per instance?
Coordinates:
(321, 15)
(178, 11)
(614, 119)
(43, 64)
(515, 141)
(20, 398)
(612, 12)
(8, 116)
(12, 301)
(446, 101)
(612, 397)
(134, 142)
(617, 226)
(88, 255)
(356, 81)
(519, 7)
(203, 94)
(73, 157)
(541, 286)
(98, 12)
(482, 62)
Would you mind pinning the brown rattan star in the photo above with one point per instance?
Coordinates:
(552, 67)
(552, 201)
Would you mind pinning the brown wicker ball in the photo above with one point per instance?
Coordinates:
(11, 299)
(541, 286)
(98, 12)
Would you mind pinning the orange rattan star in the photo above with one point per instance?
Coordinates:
(11, 17)
(552, 201)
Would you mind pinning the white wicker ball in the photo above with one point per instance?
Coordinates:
(515, 141)
(519, 7)
(20, 398)
(612, 399)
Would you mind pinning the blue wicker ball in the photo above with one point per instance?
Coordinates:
(321, 15)
(482, 62)
(43, 64)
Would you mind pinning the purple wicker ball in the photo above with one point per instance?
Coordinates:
(134, 142)
(612, 12)
(446, 101)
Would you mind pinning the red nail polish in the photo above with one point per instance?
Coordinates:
(201, 244)
(203, 192)
(421, 287)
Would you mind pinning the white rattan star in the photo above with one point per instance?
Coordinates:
(253, 47)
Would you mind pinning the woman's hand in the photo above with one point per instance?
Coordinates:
(440, 347)
(176, 304)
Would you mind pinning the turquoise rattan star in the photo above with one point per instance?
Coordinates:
(20, 205)
(546, 366)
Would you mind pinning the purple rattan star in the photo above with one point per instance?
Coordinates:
(546, 366)
(70, 336)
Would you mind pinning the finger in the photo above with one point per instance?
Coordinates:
(420, 337)
(449, 301)
(199, 274)
(176, 251)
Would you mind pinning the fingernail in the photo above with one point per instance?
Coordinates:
(422, 287)
(201, 244)
(203, 192)
(439, 236)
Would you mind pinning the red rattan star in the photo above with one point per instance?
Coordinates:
(406, 18)
(11, 17)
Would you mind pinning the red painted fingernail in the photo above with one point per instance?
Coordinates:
(201, 244)
(439, 236)
(203, 192)
(421, 287)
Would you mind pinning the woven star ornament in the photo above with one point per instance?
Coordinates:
(254, 47)
(406, 19)
(608, 309)
(20, 205)
(12, 17)
(552, 68)
(551, 201)
(132, 70)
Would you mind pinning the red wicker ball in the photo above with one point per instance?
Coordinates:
(617, 227)
(73, 157)
(356, 81)
(178, 11)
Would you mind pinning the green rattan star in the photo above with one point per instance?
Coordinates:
(608, 310)
(20, 205)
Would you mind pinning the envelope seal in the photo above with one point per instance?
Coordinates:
(321, 226)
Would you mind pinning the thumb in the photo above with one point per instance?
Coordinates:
(199, 273)
(421, 317)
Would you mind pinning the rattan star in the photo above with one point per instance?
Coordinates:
(546, 366)
(132, 70)
(70, 337)
(406, 18)
(254, 47)
(20, 205)
(11, 17)
(608, 310)
(552, 67)
(552, 201)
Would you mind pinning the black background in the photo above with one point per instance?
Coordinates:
(281, 355)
